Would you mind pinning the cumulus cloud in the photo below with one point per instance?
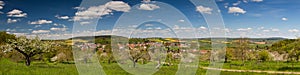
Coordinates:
(16, 13)
(58, 29)
(39, 22)
(293, 30)
(284, 19)
(12, 20)
(62, 17)
(257, 0)
(40, 31)
(236, 10)
(101, 10)
(203, 9)
(118, 6)
(148, 7)
(2, 4)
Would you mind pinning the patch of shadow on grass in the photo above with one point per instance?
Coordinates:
(289, 69)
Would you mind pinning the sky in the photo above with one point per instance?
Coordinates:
(57, 19)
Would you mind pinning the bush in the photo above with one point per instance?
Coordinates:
(264, 55)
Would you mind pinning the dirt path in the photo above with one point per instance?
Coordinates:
(257, 71)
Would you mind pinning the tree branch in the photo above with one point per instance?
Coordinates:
(22, 52)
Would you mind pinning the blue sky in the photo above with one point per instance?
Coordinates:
(53, 19)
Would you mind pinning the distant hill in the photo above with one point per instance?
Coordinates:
(94, 37)
(271, 40)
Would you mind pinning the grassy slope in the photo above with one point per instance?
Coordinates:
(11, 68)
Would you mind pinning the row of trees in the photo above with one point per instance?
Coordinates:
(35, 47)
(289, 49)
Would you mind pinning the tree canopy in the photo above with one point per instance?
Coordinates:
(28, 47)
(5, 36)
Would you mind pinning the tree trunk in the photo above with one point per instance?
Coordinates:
(28, 61)
(134, 63)
(293, 65)
(109, 60)
(226, 59)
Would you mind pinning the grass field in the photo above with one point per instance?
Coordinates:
(11, 68)
(269, 66)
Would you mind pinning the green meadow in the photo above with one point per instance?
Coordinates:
(39, 68)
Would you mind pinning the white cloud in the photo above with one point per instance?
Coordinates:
(275, 30)
(236, 10)
(284, 19)
(101, 10)
(92, 12)
(58, 29)
(244, 29)
(148, 7)
(37, 26)
(266, 30)
(12, 20)
(227, 30)
(40, 31)
(181, 20)
(260, 28)
(203, 9)
(84, 23)
(20, 34)
(41, 22)
(79, 8)
(237, 3)
(118, 6)
(62, 17)
(225, 6)
(158, 28)
(2, 4)
(293, 30)
(146, 1)
(245, 1)
(62, 25)
(16, 13)
(269, 30)
(257, 0)
(203, 28)
(55, 24)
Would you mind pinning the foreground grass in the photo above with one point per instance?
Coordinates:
(266, 66)
(11, 68)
